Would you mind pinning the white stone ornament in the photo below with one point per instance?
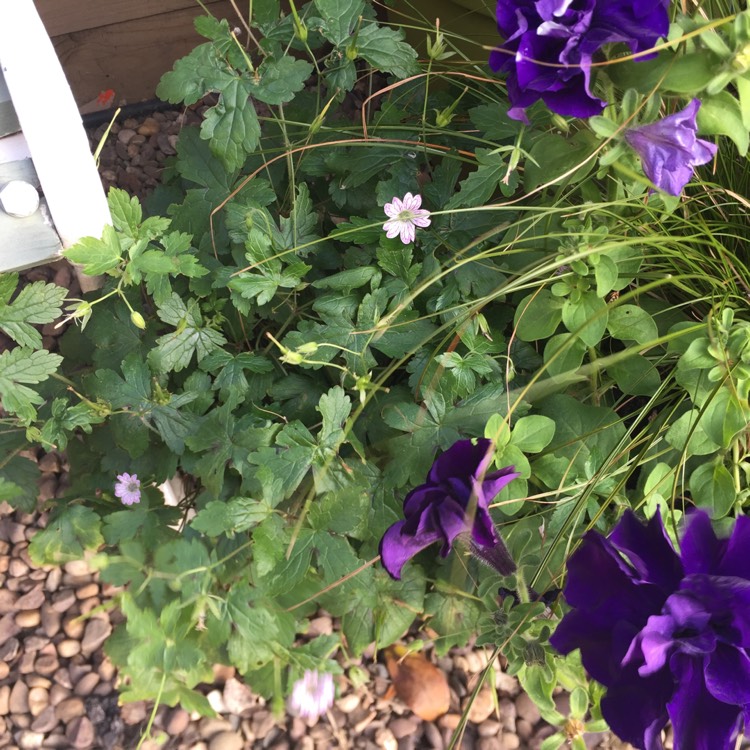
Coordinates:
(19, 199)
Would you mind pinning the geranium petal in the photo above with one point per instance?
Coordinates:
(392, 228)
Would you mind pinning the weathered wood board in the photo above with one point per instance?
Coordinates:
(126, 53)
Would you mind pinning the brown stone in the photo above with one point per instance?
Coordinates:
(50, 620)
(97, 631)
(7, 601)
(226, 741)
(57, 694)
(46, 665)
(4, 700)
(52, 582)
(8, 627)
(38, 700)
(26, 665)
(34, 680)
(68, 648)
(237, 696)
(28, 618)
(73, 626)
(46, 721)
(134, 713)
(482, 707)
(87, 591)
(9, 650)
(63, 600)
(86, 684)
(4, 670)
(80, 732)
(69, 709)
(30, 740)
(177, 722)
(33, 600)
(19, 698)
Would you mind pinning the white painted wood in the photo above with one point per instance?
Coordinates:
(14, 148)
(51, 124)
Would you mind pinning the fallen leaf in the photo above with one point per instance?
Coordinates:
(418, 683)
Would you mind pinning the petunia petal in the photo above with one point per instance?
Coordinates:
(700, 550)
(396, 549)
(736, 560)
(649, 550)
(700, 722)
(727, 675)
(462, 459)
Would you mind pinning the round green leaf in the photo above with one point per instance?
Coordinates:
(533, 434)
(564, 353)
(586, 318)
(635, 376)
(712, 488)
(537, 316)
(631, 323)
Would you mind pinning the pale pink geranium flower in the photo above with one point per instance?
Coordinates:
(312, 695)
(403, 216)
(128, 488)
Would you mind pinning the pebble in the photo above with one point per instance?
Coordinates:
(8, 627)
(69, 709)
(30, 740)
(4, 670)
(33, 600)
(384, 738)
(54, 577)
(4, 700)
(28, 618)
(511, 741)
(62, 601)
(237, 697)
(80, 732)
(178, 722)
(526, 709)
(97, 631)
(483, 706)
(85, 686)
(68, 648)
(46, 721)
(226, 741)
(7, 601)
(46, 665)
(19, 698)
(403, 726)
(38, 700)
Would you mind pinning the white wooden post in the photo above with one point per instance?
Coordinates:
(51, 124)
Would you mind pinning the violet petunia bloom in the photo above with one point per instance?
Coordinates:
(667, 634)
(403, 216)
(670, 150)
(549, 45)
(454, 500)
(312, 695)
(128, 488)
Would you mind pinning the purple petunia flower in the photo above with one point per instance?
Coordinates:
(312, 695)
(404, 215)
(128, 488)
(543, 35)
(670, 150)
(667, 634)
(454, 500)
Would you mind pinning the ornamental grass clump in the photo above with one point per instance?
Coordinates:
(417, 343)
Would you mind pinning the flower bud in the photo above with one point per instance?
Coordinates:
(533, 653)
(352, 52)
(137, 320)
(309, 348)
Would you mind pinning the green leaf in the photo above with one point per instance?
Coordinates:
(399, 603)
(725, 417)
(563, 353)
(232, 126)
(68, 534)
(352, 278)
(193, 76)
(586, 318)
(631, 323)
(721, 114)
(233, 516)
(174, 351)
(480, 185)
(636, 376)
(20, 366)
(37, 303)
(97, 256)
(712, 488)
(335, 407)
(492, 119)
(533, 434)
(384, 49)
(126, 211)
(537, 316)
(279, 80)
(689, 435)
(340, 18)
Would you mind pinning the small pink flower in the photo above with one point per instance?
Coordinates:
(312, 695)
(128, 488)
(403, 216)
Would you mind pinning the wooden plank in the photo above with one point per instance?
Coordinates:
(68, 16)
(132, 56)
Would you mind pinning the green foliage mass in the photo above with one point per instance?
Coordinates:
(260, 344)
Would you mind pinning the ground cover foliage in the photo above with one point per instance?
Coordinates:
(258, 336)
